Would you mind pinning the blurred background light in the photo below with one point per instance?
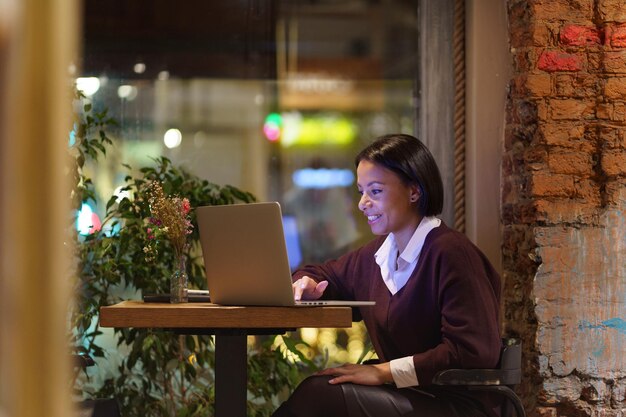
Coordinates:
(291, 127)
(87, 222)
(323, 178)
(272, 127)
(319, 129)
(139, 68)
(88, 85)
(127, 92)
(200, 138)
(172, 138)
(112, 229)
(72, 138)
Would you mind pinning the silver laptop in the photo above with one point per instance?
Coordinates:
(245, 256)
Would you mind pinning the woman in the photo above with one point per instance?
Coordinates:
(437, 298)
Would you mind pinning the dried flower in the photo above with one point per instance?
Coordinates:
(170, 216)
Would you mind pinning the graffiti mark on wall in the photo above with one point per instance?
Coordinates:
(616, 323)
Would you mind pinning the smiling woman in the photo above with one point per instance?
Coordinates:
(399, 183)
(436, 294)
(387, 202)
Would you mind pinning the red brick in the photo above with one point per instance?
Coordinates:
(540, 36)
(575, 35)
(594, 62)
(612, 10)
(542, 110)
(615, 88)
(588, 190)
(566, 211)
(614, 162)
(614, 62)
(564, 134)
(564, 85)
(611, 111)
(619, 112)
(576, 85)
(612, 137)
(578, 11)
(615, 193)
(604, 111)
(552, 185)
(520, 86)
(538, 85)
(571, 109)
(616, 36)
(552, 61)
(570, 162)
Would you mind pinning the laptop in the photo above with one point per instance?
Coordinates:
(245, 257)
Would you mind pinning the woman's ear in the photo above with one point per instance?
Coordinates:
(415, 193)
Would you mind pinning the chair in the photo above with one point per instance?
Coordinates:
(500, 380)
(107, 407)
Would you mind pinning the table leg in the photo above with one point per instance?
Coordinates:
(231, 374)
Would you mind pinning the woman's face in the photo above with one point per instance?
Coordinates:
(389, 204)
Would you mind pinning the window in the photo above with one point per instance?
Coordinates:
(275, 97)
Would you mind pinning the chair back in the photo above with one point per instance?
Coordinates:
(511, 362)
(500, 380)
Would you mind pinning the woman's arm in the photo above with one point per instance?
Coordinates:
(468, 296)
(341, 274)
(360, 374)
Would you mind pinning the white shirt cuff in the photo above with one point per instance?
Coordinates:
(403, 372)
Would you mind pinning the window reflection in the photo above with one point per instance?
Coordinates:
(250, 93)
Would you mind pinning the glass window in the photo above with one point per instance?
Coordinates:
(274, 97)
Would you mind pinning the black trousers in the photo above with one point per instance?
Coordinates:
(315, 397)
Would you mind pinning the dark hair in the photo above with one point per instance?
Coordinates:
(413, 163)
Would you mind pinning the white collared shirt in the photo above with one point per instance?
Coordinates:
(396, 269)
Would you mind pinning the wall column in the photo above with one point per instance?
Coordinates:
(563, 204)
(37, 44)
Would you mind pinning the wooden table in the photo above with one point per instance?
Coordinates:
(231, 326)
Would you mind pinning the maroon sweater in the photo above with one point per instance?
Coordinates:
(447, 314)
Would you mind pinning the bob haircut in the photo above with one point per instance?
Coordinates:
(413, 163)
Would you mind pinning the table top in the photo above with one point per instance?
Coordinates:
(208, 315)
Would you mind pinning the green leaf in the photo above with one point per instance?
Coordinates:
(292, 347)
(111, 201)
(172, 364)
(147, 343)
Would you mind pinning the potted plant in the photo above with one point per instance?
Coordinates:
(158, 373)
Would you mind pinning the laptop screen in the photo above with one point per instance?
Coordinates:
(292, 240)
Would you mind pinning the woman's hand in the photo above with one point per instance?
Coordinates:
(360, 374)
(308, 289)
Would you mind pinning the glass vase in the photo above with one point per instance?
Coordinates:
(179, 281)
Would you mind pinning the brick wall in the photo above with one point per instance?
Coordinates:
(564, 204)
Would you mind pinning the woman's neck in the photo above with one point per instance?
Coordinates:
(403, 236)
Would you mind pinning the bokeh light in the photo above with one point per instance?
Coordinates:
(88, 85)
(172, 138)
